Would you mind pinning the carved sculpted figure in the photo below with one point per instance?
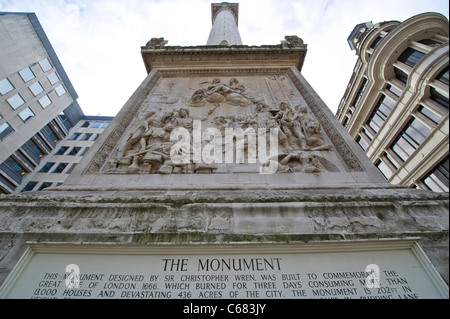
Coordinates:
(150, 145)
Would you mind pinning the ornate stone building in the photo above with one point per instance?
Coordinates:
(225, 163)
(396, 104)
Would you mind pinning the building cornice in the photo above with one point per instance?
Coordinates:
(201, 59)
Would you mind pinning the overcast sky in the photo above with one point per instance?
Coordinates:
(99, 41)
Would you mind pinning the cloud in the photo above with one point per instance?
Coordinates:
(98, 41)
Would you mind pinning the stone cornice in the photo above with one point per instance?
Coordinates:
(282, 56)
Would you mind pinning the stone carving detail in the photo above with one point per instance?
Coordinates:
(217, 92)
(155, 43)
(337, 140)
(148, 148)
(292, 41)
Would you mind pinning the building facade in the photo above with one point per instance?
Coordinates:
(54, 168)
(38, 104)
(396, 105)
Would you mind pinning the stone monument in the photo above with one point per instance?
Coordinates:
(225, 176)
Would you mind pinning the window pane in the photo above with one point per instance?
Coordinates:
(418, 132)
(384, 169)
(45, 65)
(60, 168)
(86, 137)
(5, 130)
(53, 78)
(27, 74)
(29, 186)
(429, 114)
(45, 185)
(439, 98)
(46, 167)
(26, 114)
(362, 143)
(96, 124)
(75, 136)
(438, 179)
(34, 148)
(36, 88)
(400, 75)
(411, 57)
(60, 90)
(443, 76)
(74, 151)
(5, 86)
(15, 166)
(16, 101)
(45, 101)
(394, 90)
(62, 150)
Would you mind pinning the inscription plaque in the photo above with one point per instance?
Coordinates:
(391, 269)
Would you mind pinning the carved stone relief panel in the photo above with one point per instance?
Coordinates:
(223, 116)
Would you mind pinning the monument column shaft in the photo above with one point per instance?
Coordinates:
(224, 29)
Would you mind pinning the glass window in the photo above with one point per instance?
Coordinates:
(360, 93)
(410, 139)
(430, 42)
(45, 65)
(62, 150)
(15, 166)
(86, 137)
(438, 179)
(5, 130)
(380, 113)
(16, 101)
(5, 86)
(53, 78)
(106, 124)
(97, 124)
(400, 75)
(36, 88)
(60, 90)
(45, 101)
(27, 74)
(411, 57)
(50, 133)
(74, 151)
(75, 136)
(438, 97)
(443, 76)
(34, 148)
(394, 90)
(45, 185)
(362, 143)
(60, 168)
(26, 114)
(46, 167)
(384, 169)
(29, 186)
(429, 114)
(86, 124)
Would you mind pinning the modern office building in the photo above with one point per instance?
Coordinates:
(55, 167)
(396, 105)
(38, 104)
